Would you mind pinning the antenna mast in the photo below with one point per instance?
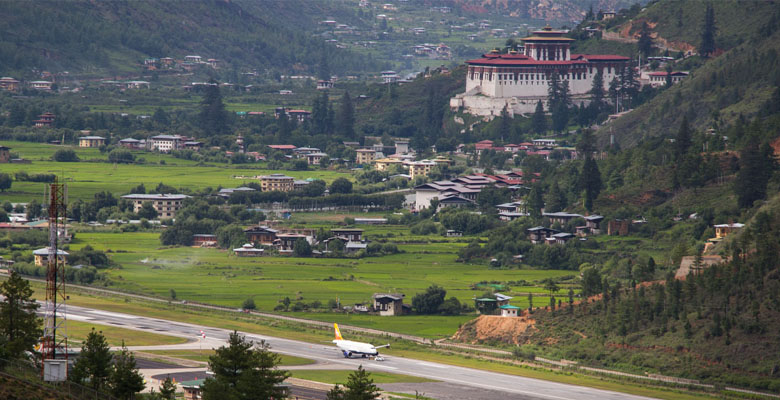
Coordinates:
(55, 336)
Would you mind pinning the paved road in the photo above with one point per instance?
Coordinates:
(506, 386)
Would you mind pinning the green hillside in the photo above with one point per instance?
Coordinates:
(115, 36)
(738, 82)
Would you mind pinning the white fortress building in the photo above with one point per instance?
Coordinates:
(519, 80)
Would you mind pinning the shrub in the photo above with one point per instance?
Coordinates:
(65, 155)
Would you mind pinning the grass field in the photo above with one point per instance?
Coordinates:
(216, 276)
(85, 178)
(340, 376)
(78, 331)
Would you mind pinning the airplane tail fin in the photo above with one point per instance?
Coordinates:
(338, 333)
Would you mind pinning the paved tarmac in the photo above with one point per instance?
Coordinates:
(457, 383)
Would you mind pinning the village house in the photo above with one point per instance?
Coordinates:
(315, 158)
(420, 168)
(133, 144)
(285, 242)
(540, 234)
(562, 218)
(226, 192)
(44, 120)
(261, 234)
(204, 240)
(383, 164)
(491, 305)
(166, 205)
(454, 233)
(248, 250)
(5, 154)
(365, 156)
(92, 141)
(390, 77)
(284, 148)
(388, 304)
(41, 85)
(10, 84)
(193, 59)
(618, 227)
(658, 78)
(348, 234)
(166, 143)
(280, 182)
(41, 257)
(559, 238)
(324, 85)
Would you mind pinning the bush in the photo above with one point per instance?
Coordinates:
(249, 304)
(65, 155)
(121, 156)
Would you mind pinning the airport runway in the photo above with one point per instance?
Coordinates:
(506, 386)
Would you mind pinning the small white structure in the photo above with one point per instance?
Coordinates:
(55, 370)
(509, 310)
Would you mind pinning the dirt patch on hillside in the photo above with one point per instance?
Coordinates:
(487, 328)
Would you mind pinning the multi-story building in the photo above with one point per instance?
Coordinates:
(420, 168)
(166, 143)
(8, 83)
(44, 120)
(166, 205)
(518, 80)
(41, 85)
(280, 182)
(91, 141)
(365, 156)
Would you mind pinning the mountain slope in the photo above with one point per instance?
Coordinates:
(739, 82)
(116, 35)
(560, 11)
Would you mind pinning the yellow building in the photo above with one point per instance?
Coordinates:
(365, 156)
(166, 205)
(280, 182)
(91, 141)
(442, 161)
(420, 168)
(383, 164)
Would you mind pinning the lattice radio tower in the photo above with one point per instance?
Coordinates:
(55, 336)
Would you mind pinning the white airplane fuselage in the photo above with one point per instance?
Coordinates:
(349, 348)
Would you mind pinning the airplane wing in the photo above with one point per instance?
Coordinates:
(384, 345)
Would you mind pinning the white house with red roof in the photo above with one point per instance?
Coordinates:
(519, 80)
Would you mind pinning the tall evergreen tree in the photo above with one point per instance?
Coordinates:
(645, 42)
(213, 117)
(757, 164)
(597, 92)
(539, 120)
(346, 121)
(19, 325)
(93, 367)
(168, 389)
(125, 380)
(707, 46)
(684, 138)
(359, 386)
(243, 371)
(590, 182)
(505, 125)
(555, 200)
(535, 201)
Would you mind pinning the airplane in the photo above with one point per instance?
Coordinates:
(348, 347)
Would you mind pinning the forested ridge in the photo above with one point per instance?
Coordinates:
(115, 36)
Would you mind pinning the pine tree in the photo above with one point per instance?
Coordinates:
(597, 92)
(684, 139)
(535, 201)
(756, 167)
(93, 367)
(707, 46)
(359, 386)
(555, 200)
(505, 124)
(213, 117)
(168, 389)
(19, 325)
(346, 122)
(590, 181)
(125, 380)
(539, 120)
(243, 371)
(645, 42)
